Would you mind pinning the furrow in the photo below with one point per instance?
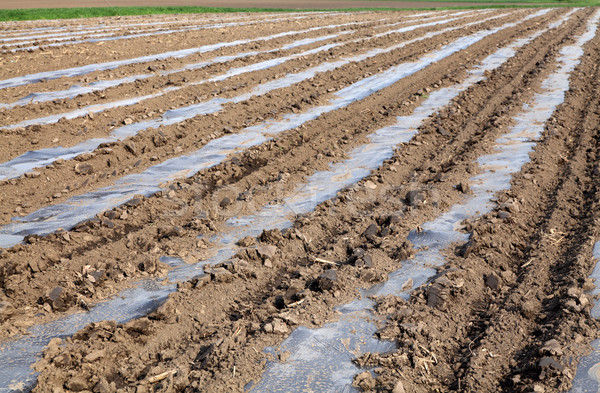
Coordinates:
(71, 211)
(516, 263)
(291, 79)
(77, 90)
(208, 37)
(457, 46)
(106, 37)
(194, 66)
(421, 79)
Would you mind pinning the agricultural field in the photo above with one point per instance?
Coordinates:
(401, 201)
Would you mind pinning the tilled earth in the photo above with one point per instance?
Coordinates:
(283, 168)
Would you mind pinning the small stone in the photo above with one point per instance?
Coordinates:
(538, 388)
(365, 261)
(467, 249)
(493, 282)
(503, 215)
(6, 310)
(266, 251)
(572, 305)
(85, 157)
(107, 223)
(62, 360)
(552, 347)
(247, 241)
(169, 231)
(33, 175)
(325, 281)
(96, 275)
(130, 147)
(550, 362)
(371, 230)
(408, 284)
(58, 298)
(393, 219)
(464, 188)
(357, 253)
(283, 356)
(221, 275)
(225, 202)
(84, 169)
(77, 384)
(280, 327)
(573, 292)
(149, 266)
(442, 131)
(268, 327)
(128, 121)
(370, 185)
(414, 198)
(364, 381)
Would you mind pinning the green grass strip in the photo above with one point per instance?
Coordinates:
(93, 12)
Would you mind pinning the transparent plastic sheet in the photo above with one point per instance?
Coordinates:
(101, 85)
(43, 157)
(20, 353)
(79, 208)
(332, 370)
(83, 70)
(77, 90)
(98, 108)
(89, 37)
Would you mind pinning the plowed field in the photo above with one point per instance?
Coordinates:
(315, 202)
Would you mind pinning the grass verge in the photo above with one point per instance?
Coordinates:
(92, 12)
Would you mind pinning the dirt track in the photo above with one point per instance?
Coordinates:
(253, 189)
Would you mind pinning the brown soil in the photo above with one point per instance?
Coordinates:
(483, 339)
(119, 162)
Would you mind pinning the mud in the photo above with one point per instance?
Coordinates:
(237, 249)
